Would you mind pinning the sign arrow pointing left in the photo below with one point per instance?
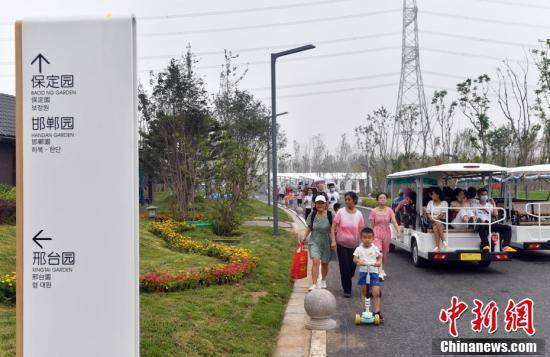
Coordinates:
(36, 238)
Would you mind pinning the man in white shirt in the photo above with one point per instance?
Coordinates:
(485, 213)
(281, 193)
(333, 196)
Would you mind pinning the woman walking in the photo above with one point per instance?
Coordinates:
(380, 219)
(346, 233)
(318, 225)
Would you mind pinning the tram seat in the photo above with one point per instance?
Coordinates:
(544, 210)
(527, 220)
(519, 207)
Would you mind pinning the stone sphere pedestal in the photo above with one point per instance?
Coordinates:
(320, 305)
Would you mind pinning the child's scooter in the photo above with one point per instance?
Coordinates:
(367, 317)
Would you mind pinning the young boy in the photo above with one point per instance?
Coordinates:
(369, 258)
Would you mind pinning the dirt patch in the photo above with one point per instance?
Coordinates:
(257, 295)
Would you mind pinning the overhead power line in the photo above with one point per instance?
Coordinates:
(339, 40)
(270, 25)
(485, 20)
(520, 4)
(293, 59)
(354, 89)
(466, 54)
(223, 12)
(273, 47)
(330, 81)
(268, 48)
(478, 39)
(239, 11)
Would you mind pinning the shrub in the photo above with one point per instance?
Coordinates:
(226, 218)
(7, 193)
(7, 212)
(368, 202)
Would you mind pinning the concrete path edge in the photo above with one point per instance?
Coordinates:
(294, 339)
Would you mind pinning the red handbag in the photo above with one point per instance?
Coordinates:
(299, 265)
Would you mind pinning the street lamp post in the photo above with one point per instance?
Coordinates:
(268, 163)
(274, 57)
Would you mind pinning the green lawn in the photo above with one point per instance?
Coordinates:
(241, 319)
(533, 194)
(256, 208)
(7, 249)
(7, 313)
(7, 331)
(260, 209)
(155, 256)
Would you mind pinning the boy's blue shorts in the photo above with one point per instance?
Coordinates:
(373, 277)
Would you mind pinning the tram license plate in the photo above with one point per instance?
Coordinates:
(470, 256)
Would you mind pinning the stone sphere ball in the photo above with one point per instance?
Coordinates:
(320, 303)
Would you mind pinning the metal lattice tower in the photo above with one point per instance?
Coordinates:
(411, 90)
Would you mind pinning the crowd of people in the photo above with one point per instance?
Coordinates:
(303, 196)
(341, 231)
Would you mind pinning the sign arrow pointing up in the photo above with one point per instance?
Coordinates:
(36, 238)
(40, 58)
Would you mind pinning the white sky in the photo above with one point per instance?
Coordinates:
(331, 113)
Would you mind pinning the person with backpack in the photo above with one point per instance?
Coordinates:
(317, 233)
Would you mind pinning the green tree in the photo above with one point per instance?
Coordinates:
(499, 143)
(175, 142)
(373, 142)
(542, 93)
(474, 102)
(444, 115)
(241, 150)
(513, 100)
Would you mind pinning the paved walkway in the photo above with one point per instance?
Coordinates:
(266, 223)
(294, 339)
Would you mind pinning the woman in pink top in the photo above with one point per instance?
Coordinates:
(380, 218)
(345, 236)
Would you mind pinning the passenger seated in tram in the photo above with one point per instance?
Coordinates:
(447, 195)
(462, 213)
(405, 212)
(436, 211)
(471, 195)
(485, 213)
(426, 193)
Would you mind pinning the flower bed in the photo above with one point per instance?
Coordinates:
(7, 288)
(239, 262)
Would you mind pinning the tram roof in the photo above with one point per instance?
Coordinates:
(529, 170)
(450, 170)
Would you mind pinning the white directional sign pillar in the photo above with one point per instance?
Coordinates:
(77, 187)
